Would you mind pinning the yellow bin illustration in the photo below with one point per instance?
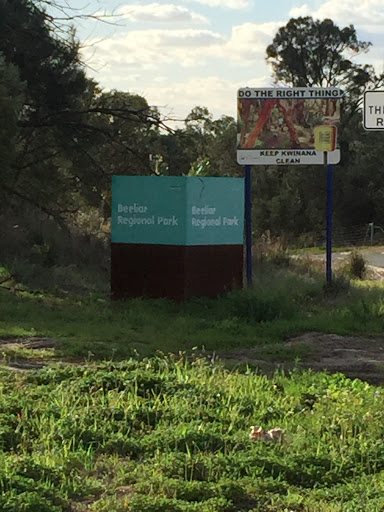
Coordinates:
(325, 138)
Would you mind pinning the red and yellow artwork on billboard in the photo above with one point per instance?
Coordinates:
(277, 126)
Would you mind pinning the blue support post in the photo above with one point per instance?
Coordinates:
(329, 222)
(248, 224)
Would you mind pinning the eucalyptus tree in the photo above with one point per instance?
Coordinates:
(70, 136)
(318, 53)
(307, 52)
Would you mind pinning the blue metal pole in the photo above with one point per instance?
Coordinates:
(329, 221)
(248, 224)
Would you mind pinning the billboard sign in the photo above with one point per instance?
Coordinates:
(373, 110)
(177, 210)
(276, 126)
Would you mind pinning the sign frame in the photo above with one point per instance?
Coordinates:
(275, 106)
(373, 93)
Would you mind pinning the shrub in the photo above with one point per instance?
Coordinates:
(338, 286)
(271, 250)
(357, 265)
(258, 305)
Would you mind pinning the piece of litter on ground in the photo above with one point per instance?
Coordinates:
(274, 434)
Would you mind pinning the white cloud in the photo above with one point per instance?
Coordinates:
(162, 57)
(297, 12)
(218, 94)
(346, 12)
(161, 13)
(367, 16)
(248, 42)
(169, 67)
(231, 4)
(150, 49)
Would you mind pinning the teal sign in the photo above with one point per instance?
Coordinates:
(169, 210)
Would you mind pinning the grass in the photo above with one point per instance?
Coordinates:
(281, 306)
(112, 424)
(171, 434)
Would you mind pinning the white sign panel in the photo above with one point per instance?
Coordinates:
(373, 110)
(276, 126)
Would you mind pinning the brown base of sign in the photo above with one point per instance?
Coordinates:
(176, 272)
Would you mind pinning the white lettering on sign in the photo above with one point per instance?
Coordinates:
(205, 210)
(233, 221)
(136, 221)
(202, 220)
(168, 221)
(206, 222)
(203, 216)
(131, 208)
(209, 222)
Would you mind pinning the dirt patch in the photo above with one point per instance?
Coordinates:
(33, 343)
(374, 260)
(356, 357)
(13, 349)
(374, 273)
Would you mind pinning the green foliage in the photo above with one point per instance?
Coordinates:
(201, 167)
(171, 432)
(354, 267)
(53, 84)
(309, 52)
(271, 251)
(187, 425)
(339, 285)
(259, 305)
(205, 147)
(280, 306)
(62, 137)
(358, 265)
(11, 90)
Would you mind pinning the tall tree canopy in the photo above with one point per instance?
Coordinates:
(11, 101)
(313, 53)
(204, 147)
(66, 137)
(307, 52)
(62, 136)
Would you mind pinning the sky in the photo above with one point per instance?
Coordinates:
(179, 54)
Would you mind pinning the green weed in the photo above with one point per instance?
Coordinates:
(357, 265)
(166, 433)
(279, 306)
